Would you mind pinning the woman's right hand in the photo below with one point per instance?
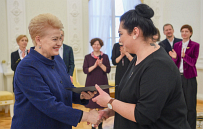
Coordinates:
(93, 117)
(122, 51)
(173, 54)
(96, 63)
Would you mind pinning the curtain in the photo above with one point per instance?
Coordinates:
(130, 4)
(99, 22)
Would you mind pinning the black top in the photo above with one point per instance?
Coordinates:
(167, 46)
(122, 65)
(15, 59)
(154, 85)
(68, 58)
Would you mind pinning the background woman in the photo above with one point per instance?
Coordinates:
(96, 66)
(185, 54)
(18, 55)
(150, 92)
(121, 59)
(41, 100)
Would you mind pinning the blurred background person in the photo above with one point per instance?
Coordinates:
(170, 40)
(18, 55)
(66, 53)
(156, 37)
(41, 100)
(96, 65)
(150, 92)
(185, 54)
(121, 59)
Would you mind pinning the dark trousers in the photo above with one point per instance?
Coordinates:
(190, 94)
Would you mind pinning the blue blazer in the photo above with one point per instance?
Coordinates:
(166, 45)
(68, 58)
(41, 100)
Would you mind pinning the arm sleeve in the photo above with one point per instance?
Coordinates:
(191, 60)
(107, 64)
(155, 86)
(38, 93)
(113, 57)
(71, 62)
(14, 63)
(85, 66)
(178, 58)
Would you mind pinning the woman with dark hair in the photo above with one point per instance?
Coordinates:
(96, 65)
(121, 59)
(185, 54)
(150, 92)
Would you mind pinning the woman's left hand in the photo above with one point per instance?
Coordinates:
(103, 98)
(87, 95)
(100, 61)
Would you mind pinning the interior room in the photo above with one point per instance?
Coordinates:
(78, 19)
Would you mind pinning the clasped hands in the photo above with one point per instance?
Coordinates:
(96, 117)
(99, 62)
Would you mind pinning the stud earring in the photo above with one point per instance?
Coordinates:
(134, 37)
(39, 47)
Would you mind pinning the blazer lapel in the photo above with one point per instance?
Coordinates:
(188, 47)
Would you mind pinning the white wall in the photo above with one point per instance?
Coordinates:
(3, 37)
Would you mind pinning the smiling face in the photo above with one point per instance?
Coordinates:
(125, 38)
(96, 46)
(168, 31)
(23, 43)
(50, 43)
(185, 33)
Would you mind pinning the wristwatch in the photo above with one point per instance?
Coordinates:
(109, 103)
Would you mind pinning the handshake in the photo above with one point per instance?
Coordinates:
(95, 117)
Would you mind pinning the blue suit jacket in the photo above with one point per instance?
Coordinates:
(68, 58)
(166, 45)
(41, 100)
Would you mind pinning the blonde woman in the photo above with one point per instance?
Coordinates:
(41, 100)
(19, 54)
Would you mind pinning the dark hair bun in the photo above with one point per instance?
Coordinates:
(144, 10)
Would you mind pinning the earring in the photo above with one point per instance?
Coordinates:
(134, 37)
(39, 47)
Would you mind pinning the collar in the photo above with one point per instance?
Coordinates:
(97, 57)
(40, 57)
(61, 46)
(22, 51)
(185, 43)
(172, 40)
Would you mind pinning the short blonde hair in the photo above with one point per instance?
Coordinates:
(40, 23)
(20, 37)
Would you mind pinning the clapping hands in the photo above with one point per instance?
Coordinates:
(98, 62)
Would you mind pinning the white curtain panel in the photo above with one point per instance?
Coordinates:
(99, 21)
(130, 4)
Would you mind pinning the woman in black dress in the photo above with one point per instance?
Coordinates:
(121, 59)
(150, 94)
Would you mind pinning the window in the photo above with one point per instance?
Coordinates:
(104, 21)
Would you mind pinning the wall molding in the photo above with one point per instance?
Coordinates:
(75, 28)
(16, 18)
